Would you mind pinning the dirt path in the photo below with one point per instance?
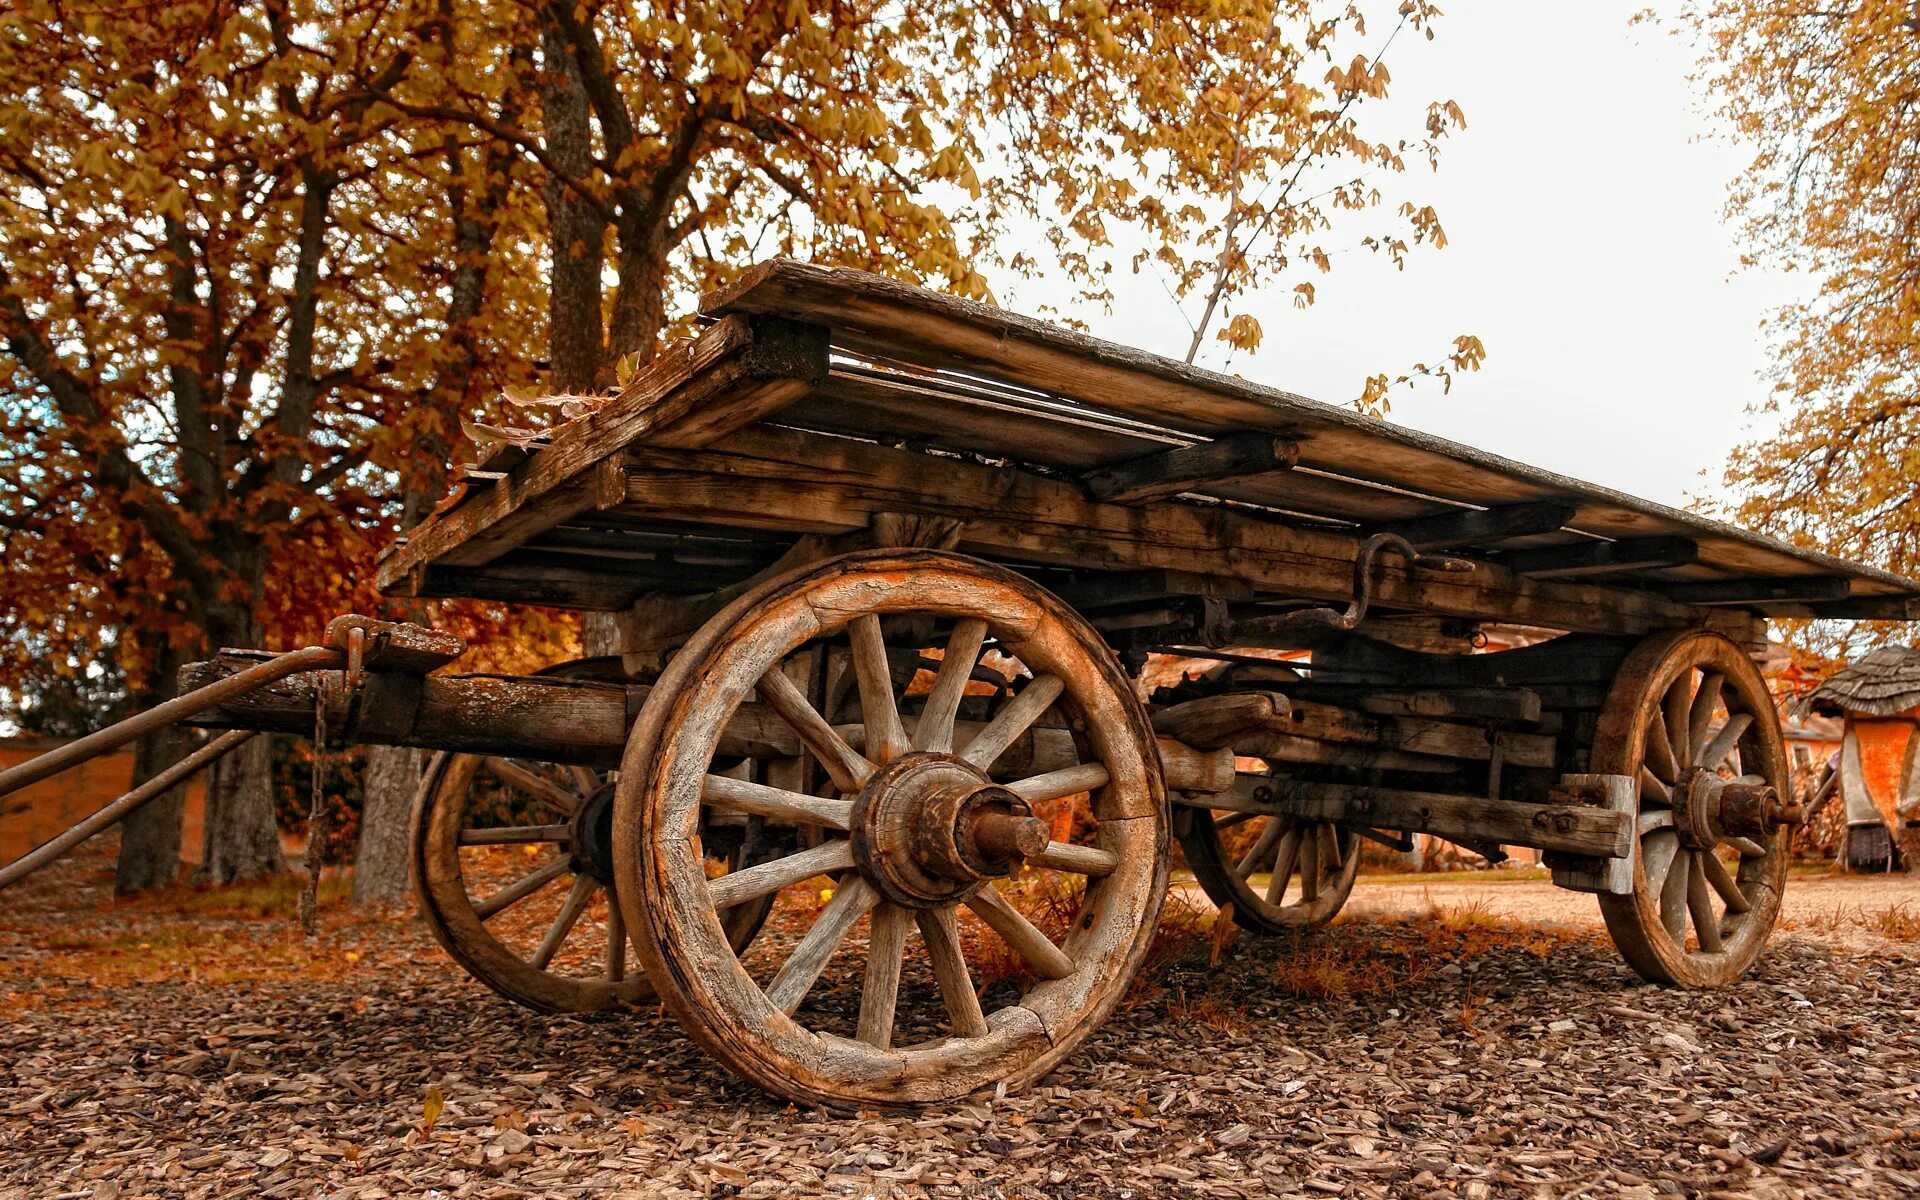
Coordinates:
(195, 1046)
(1825, 903)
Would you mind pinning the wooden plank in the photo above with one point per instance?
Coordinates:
(788, 479)
(933, 411)
(567, 581)
(1599, 558)
(1410, 735)
(1865, 608)
(1520, 705)
(1787, 589)
(1590, 830)
(733, 374)
(1096, 591)
(1186, 468)
(882, 317)
(1483, 526)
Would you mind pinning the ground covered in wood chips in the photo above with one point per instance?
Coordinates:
(195, 1045)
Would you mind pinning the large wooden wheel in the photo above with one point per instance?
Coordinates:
(1277, 872)
(513, 870)
(923, 817)
(1689, 716)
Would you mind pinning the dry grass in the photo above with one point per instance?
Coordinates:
(1897, 922)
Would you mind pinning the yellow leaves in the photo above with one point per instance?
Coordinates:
(431, 1108)
(1242, 333)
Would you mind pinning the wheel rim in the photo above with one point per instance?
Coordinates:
(1277, 872)
(513, 869)
(1689, 717)
(927, 825)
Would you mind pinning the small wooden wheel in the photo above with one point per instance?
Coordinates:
(1689, 716)
(513, 869)
(924, 817)
(1278, 873)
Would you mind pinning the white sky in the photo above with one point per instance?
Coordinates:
(1587, 250)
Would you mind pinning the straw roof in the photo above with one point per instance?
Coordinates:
(1885, 682)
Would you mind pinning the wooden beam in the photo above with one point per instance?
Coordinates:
(549, 720)
(1584, 829)
(1782, 590)
(788, 479)
(1599, 558)
(1408, 735)
(1868, 608)
(1482, 526)
(567, 580)
(1516, 704)
(732, 375)
(1190, 468)
(1095, 591)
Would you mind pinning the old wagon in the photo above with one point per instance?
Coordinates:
(883, 569)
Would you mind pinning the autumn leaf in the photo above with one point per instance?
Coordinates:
(430, 1109)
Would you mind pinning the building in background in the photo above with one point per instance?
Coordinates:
(1878, 701)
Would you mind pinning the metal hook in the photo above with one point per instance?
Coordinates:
(1356, 611)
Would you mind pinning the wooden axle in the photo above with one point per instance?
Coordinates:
(1578, 822)
(586, 722)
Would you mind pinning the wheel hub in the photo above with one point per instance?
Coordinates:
(930, 829)
(1708, 809)
(592, 837)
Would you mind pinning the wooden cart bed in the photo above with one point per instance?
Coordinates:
(821, 400)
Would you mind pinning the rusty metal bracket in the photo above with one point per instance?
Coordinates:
(1356, 610)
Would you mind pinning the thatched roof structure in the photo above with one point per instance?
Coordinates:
(1885, 682)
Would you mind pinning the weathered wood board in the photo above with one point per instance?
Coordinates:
(1051, 449)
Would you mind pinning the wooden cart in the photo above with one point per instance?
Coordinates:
(883, 569)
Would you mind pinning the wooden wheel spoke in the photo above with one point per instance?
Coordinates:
(585, 778)
(616, 941)
(1724, 883)
(1232, 819)
(1660, 756)
(880, 990)
(1309, 868)
(1674, 709)
(1262, 847)
(809, 956)
(1067, 781)
(739, 795)
(1700, 904)
(576, 903)
(1010, 722)
(1077, 860)
(537, 786)
(940, 930)
(1020, 934)
(1700, 714)
(1747, 847)
(1652, 791)
(1725, 741)
(935, 730)
(886, 736)
(751, 883)
(1672, 886)
(1648, 822)
(1330, 848)
(519, 890)
(1283, 864)
(516, 835)
(848, 768)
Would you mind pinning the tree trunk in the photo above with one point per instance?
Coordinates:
(150, 838)
(242, 839)
(386, 811)
(577, 227)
